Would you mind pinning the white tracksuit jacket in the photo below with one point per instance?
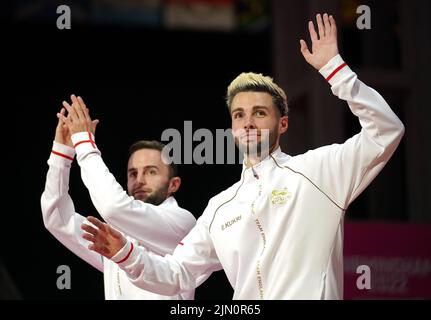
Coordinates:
(280, 235)
(158, 228)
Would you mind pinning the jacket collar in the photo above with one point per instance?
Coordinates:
(277, 154)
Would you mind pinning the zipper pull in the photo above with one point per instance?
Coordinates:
(255, 173)
(248, 164)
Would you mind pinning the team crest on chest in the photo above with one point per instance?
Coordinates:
(279, 196)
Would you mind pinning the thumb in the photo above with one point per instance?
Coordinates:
(94, 124)
(304, 50)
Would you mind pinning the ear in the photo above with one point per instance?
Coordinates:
(174, 185)
(283, 125)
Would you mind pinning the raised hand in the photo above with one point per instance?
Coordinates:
(324, 47)
(105, 240)
(62, 133)
(78, 119)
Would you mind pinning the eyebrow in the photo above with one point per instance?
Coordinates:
(146, 167)
(254, 108)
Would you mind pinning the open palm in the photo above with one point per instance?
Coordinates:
(323, 45)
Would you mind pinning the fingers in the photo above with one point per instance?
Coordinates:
(89, 229)
(313, 34)
(72, 116)
(94, 124)
(98, 237)
(86, 113)
(95, 241)
(60, 120)
(84, 109)
(77, 106)
(68, 107)
(326, 27)
(89, 237)
(304, 49)
(81, 102)
(99, 224)
(63, 118)
(333, 26)
(326, 24)
(320, 26)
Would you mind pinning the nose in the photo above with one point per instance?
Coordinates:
(141, 179)
(249, 122)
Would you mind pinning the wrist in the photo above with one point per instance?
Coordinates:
(83, 138)
(61, 154)
(124, 253)
(335, 70)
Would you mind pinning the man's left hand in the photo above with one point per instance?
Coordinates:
(78, 118)
(324, 46)
(104, 239)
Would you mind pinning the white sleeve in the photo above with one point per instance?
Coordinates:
(191, 264)
(159, 228)
(343, 171)
(58, 211)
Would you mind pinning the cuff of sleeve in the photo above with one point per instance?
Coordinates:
(83, 142)
(335, 70)
(61, 154)
(125, 255)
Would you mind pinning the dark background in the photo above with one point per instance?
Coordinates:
(139, 80)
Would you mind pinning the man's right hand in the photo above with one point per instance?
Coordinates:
(62, 133)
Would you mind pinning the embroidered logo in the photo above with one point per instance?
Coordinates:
(230, 223)
(279, 197)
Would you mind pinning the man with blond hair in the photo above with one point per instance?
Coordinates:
(278, 232)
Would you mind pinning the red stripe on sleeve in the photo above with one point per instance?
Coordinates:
(128, 255)
(91, 140)
(335, 71)
(61, 155)
(83, 141)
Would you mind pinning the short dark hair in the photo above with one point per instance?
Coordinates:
(155, 145)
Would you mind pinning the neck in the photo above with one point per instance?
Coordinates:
(254, 159)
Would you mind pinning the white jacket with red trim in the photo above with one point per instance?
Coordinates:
(159, 228)
(278, 232)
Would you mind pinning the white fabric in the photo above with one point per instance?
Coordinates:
(280, 236)
(159, 228)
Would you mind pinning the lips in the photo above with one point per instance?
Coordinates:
(248, 137)
(141, 192)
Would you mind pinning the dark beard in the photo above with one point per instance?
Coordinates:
(158, 196)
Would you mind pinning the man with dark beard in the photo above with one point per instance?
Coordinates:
(148, 215)
(278, 231)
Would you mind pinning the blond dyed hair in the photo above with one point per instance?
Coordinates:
(257, 82)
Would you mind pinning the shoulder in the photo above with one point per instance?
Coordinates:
(170, 206)
(313, 155)
(222, 197)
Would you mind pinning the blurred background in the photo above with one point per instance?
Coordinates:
(146, 65)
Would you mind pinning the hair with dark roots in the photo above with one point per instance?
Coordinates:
(256, 82)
